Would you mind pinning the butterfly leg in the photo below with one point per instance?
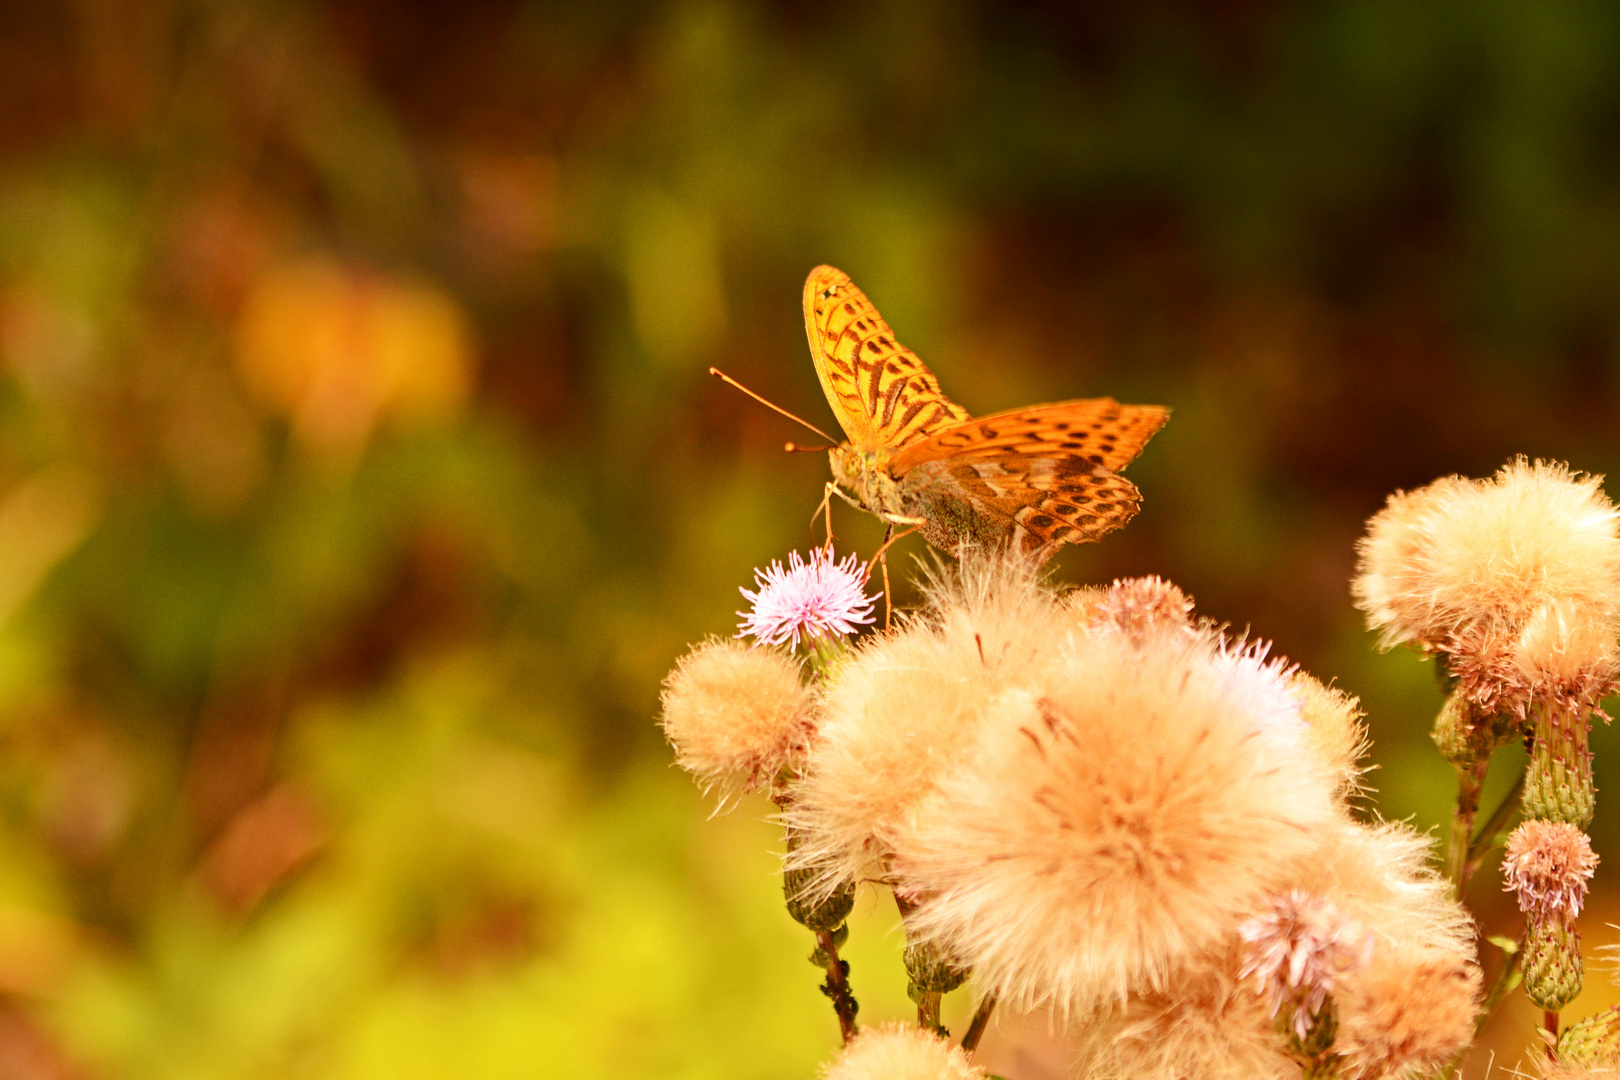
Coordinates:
(882, 556)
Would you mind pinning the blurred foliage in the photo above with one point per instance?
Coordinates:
(360, 477)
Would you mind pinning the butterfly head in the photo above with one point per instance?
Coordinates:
(862, 474)
(847, 468)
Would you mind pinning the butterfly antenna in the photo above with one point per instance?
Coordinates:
(723, 377)
(795, 448)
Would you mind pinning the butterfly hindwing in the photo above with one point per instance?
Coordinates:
(883, 395)
(1037, 502)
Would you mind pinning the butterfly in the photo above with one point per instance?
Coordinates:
(1033, 479)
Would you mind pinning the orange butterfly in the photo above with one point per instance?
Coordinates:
(1035, 478)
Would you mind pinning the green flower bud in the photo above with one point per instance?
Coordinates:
(1558, 780)
(1552, 963)
(1594, 1041)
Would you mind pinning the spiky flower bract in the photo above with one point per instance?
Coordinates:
(896, 1052)
(736, 715)
(808, 600)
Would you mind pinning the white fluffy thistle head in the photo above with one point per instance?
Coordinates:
(901, 1052)
(1124, 804)
(735, 715)
(906, 708)
(1467, 567)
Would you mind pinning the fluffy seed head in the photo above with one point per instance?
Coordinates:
(1137, 607)
(906, 708)
(1567, 650)
(1464, 567)
(1298, 950)
(1548, 865)
(1123, 810)
(736, 715)
(1333, 721)
(896, 1052)
(1207, 1026)
(1208, 1022)
(1412, 1004)
(811, 599)
(1406, 1016)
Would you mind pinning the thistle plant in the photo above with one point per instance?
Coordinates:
(1513, 585)
(1097, 804)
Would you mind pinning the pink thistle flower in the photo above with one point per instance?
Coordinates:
(1548, 865)
(1298, 951)
(817, 599)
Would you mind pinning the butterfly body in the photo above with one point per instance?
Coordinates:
(1033, 478)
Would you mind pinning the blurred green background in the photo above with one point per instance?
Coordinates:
(361, 478)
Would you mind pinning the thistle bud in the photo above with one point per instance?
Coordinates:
(1465, 733)
(1558, 780)
(1592, 1041)
(930, 972)
(1548, 865)
(809, 901)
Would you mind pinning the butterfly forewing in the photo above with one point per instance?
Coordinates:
(883, 395)
(1098, 430)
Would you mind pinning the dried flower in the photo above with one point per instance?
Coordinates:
(896, 1052)
(1207, 1026)
(1466, 568)
(1298, 950)
(736, 715)
(1209, 1023)
(1548, 865)
(1333, 720)
(1567, 653)
(1125, 807)
(1411, 1006)
(1138, 606)
(1463, 552)
(812, 599)
(906, 708)
(1406, 1015)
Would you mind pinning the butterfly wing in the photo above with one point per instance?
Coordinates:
(1039, 477)
(883, 395)
(1098, 430)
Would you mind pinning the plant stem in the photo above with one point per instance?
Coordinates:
(981, 1020)
(928, 1012)
(1470, 778)
(1504, 980)
(1549, 1020)
(837, 986)
(1485, 837)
